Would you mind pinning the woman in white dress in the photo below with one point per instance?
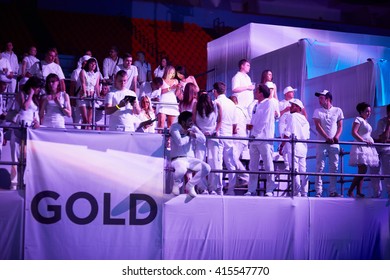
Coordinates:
(168, 110)
(28, 101)
(89, 87)
(362, 156)
(267, 79)
(56, 105)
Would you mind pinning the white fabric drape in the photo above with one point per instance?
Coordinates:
(348, 87)
(288, 67)
(268, 46)
(243, 228)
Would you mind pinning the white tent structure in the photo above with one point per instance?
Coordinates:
(296, 55)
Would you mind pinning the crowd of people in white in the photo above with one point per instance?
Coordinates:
(128, 96)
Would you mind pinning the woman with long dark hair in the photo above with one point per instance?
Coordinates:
(189, 98)
(89, 87)
(207, 116)
(267, 79)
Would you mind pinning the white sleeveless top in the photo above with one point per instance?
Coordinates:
(53, 115)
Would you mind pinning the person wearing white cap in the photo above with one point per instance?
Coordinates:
(328, 120)
(297, 126)
(284, 108)
(242, 86)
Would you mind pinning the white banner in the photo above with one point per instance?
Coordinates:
(92, 195)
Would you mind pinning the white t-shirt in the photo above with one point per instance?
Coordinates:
(328, 120)
(244, 97)
(109, 66)
(229, 115)
(158, 72)
(30, 60)
(131, 73)
(47, 68)
(263, 118)
(123, 119)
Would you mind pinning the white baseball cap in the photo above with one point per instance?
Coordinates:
(288, 89)
(297, 102)
(324, 92)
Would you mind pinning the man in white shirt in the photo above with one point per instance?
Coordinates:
(131, 70)
(299, 128)
(122, 106)
(47, 66)
(144, 68)
(144, 71)
(263, 127)
(242, 86)
(329, 125)
(110, 63)
(228, 128)
(13, 62)
(6, 74)
(183, 135)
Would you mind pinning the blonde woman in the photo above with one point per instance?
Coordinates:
(147, 114)
(168, 110)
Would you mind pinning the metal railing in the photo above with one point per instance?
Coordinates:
(292, 173)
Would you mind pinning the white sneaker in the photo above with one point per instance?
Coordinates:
(269, 194)
(205, 192)
(191, 191)
(248, 194)
(213, 193)
(219, 191)
(175, 190)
